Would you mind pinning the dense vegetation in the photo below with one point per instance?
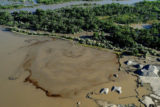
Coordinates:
(11, 6)
(51, 1)
(21, 0)
(105, 20)
(56, 1)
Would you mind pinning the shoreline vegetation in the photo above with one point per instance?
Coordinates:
(61, 1)
(14, 6)
(47, 2)
(86, 42)
(110, 24)
(11, 6)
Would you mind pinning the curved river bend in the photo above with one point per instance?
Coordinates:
(68, 4)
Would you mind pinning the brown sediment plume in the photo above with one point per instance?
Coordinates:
(64, 69)
(46, 53)
(38, 42)
(35, 83)
(26, 67)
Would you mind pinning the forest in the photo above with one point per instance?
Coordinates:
(51, 1)
(13, 6)
(112, 19)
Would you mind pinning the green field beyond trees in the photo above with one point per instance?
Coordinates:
(109, 22)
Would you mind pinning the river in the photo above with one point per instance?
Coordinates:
(68, 4)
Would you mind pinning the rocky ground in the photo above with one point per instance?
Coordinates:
(148, 71)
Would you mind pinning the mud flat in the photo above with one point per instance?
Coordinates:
(64, 68)
(42, 71)
(17, 93)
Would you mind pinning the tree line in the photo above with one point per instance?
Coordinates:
(77, 19)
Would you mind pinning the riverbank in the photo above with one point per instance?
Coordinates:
(108, 31)
(84, 38)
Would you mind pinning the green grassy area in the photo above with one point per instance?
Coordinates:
(15, 6)
(125, 18)
(20, 0)
(58, 1)
(103, 17)
(52, 1)
(11, 6)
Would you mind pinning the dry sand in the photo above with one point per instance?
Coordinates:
(63, 70)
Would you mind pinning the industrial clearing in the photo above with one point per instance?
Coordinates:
(43, 72)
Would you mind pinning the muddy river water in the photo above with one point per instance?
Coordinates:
(41, 72)
(59, 66)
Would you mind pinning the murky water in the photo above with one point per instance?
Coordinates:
(16, 93)
(14, 51)
(64, 68)
(61, 68)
